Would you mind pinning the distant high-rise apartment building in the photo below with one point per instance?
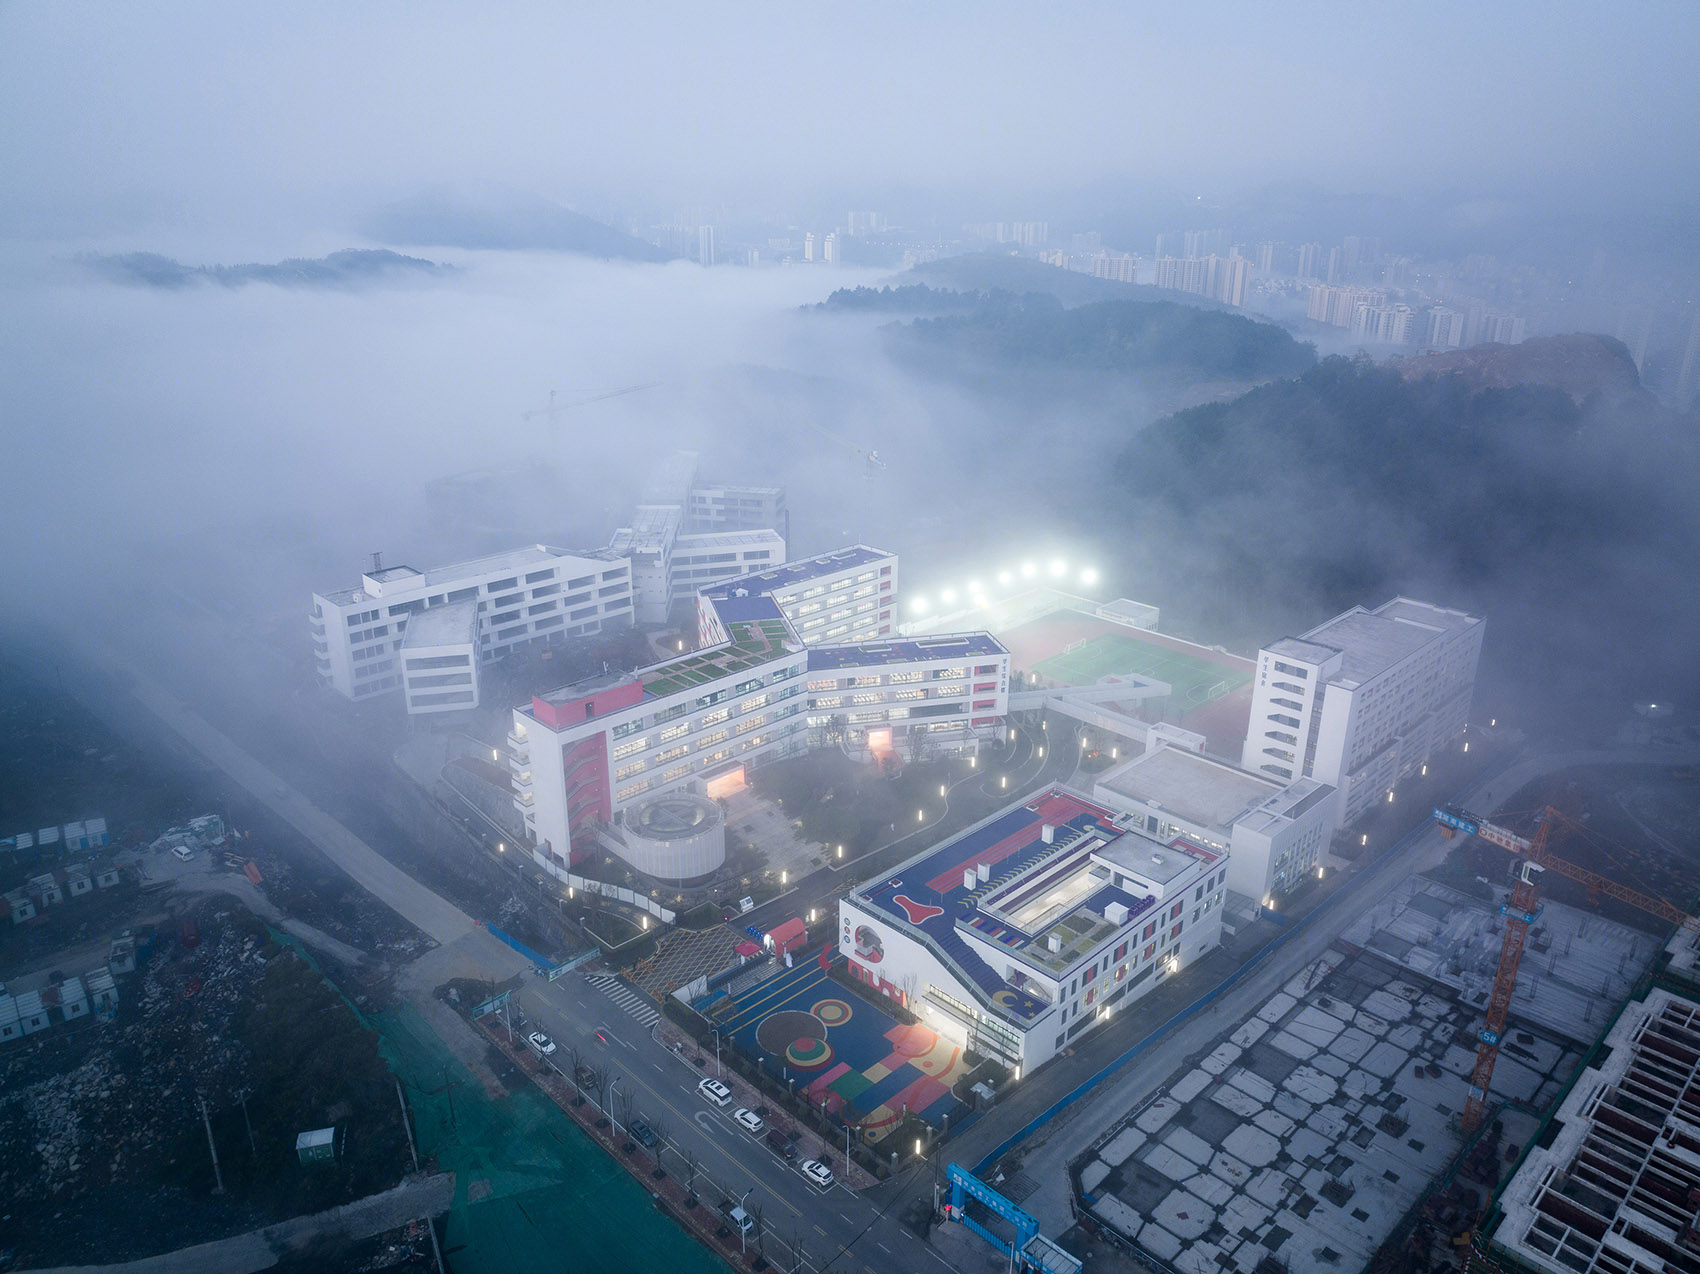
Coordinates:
(1119, 266)
(1266, 258)
(1443, 328)
(809, 246)
(1310, 259)
(1337, 306)
(705, 245)
(1031, 234)
(865, 223)
(829, 248)
(1336, 271)
(1220, 278)
(1351, 253)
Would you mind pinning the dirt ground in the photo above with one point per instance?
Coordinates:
(102, 1117)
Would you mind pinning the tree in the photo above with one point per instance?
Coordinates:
(692, 1164)
(626, 1117)
(659, 1148)
(599, 1078)
(577, 1061)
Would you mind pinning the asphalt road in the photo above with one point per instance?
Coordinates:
(835, 1228)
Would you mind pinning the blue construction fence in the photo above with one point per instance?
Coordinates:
(537, 961)
(1203, 1002)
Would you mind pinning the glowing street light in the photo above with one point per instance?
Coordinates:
(501, 847)
(1089, 576)
(1003, 783)
(918, 606)
(1113, 752)
(1028, 570)
(785, 878)
(1059, 567)
(948, 596)
(1390, 796)
(941, 789)
(1041, 751)
(1004, 577)
(973, 761)
(841, 851)
(920, 816)
(494, 756)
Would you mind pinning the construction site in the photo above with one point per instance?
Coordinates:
(1370, 1114)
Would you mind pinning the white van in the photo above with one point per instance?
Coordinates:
(183, 852)
(715, 1091)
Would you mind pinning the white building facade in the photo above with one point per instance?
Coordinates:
(536, 595)
(582, 755)
(1034, 926)
(849, 595)
(439, 660)
(1364, 699)
(1275, 833)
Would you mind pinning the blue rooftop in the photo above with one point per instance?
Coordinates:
(941, 646)
(928, 894)
(798, 572)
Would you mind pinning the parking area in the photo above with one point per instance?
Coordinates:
(845, 1053)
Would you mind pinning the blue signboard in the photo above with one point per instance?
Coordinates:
(1455, 820)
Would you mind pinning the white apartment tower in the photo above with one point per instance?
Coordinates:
(1364, 699)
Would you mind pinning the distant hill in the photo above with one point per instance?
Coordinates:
(1570, 523)
(909, 298)
(521, 224)
(351, 268)
(1113, 336)
(1580, 364)
(1004, 272)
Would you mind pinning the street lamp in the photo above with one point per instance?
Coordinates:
(717, 1071)
(741, 1230)
(612, 1088)
(841, 851)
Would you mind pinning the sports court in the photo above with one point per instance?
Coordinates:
(845, 1053)
(1194, 680)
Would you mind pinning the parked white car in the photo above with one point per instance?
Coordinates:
(715, 1091)
(817, 1172)
(749, 1121)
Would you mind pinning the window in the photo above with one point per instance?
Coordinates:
(502, 585)
(1150, 928)
(537, 577)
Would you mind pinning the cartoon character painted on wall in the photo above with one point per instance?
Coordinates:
(869, 950)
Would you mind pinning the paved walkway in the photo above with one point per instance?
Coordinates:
(261, 1249)
(427, 911)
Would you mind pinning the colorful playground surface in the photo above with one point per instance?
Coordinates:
(845, 1053)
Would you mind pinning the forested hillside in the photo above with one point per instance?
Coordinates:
(1115, 336)
(1573, 527)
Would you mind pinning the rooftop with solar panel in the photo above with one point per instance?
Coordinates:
(1026, 895)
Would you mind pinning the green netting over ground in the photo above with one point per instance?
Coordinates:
(532, 1192)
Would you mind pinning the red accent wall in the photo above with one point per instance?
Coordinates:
(597, 704)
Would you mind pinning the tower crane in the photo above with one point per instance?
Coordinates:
(1520, 913)
(555, 408)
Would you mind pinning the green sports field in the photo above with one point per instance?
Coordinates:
(1195, 681)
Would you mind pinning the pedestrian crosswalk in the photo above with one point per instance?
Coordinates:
(619, 991)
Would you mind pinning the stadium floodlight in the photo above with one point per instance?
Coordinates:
(948, 596)
(1059, 567)
(974, 586)
(1089, 577)
(1004, 577)
(1028, 570)
(919, 606)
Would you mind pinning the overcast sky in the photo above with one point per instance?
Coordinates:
(118, 115)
